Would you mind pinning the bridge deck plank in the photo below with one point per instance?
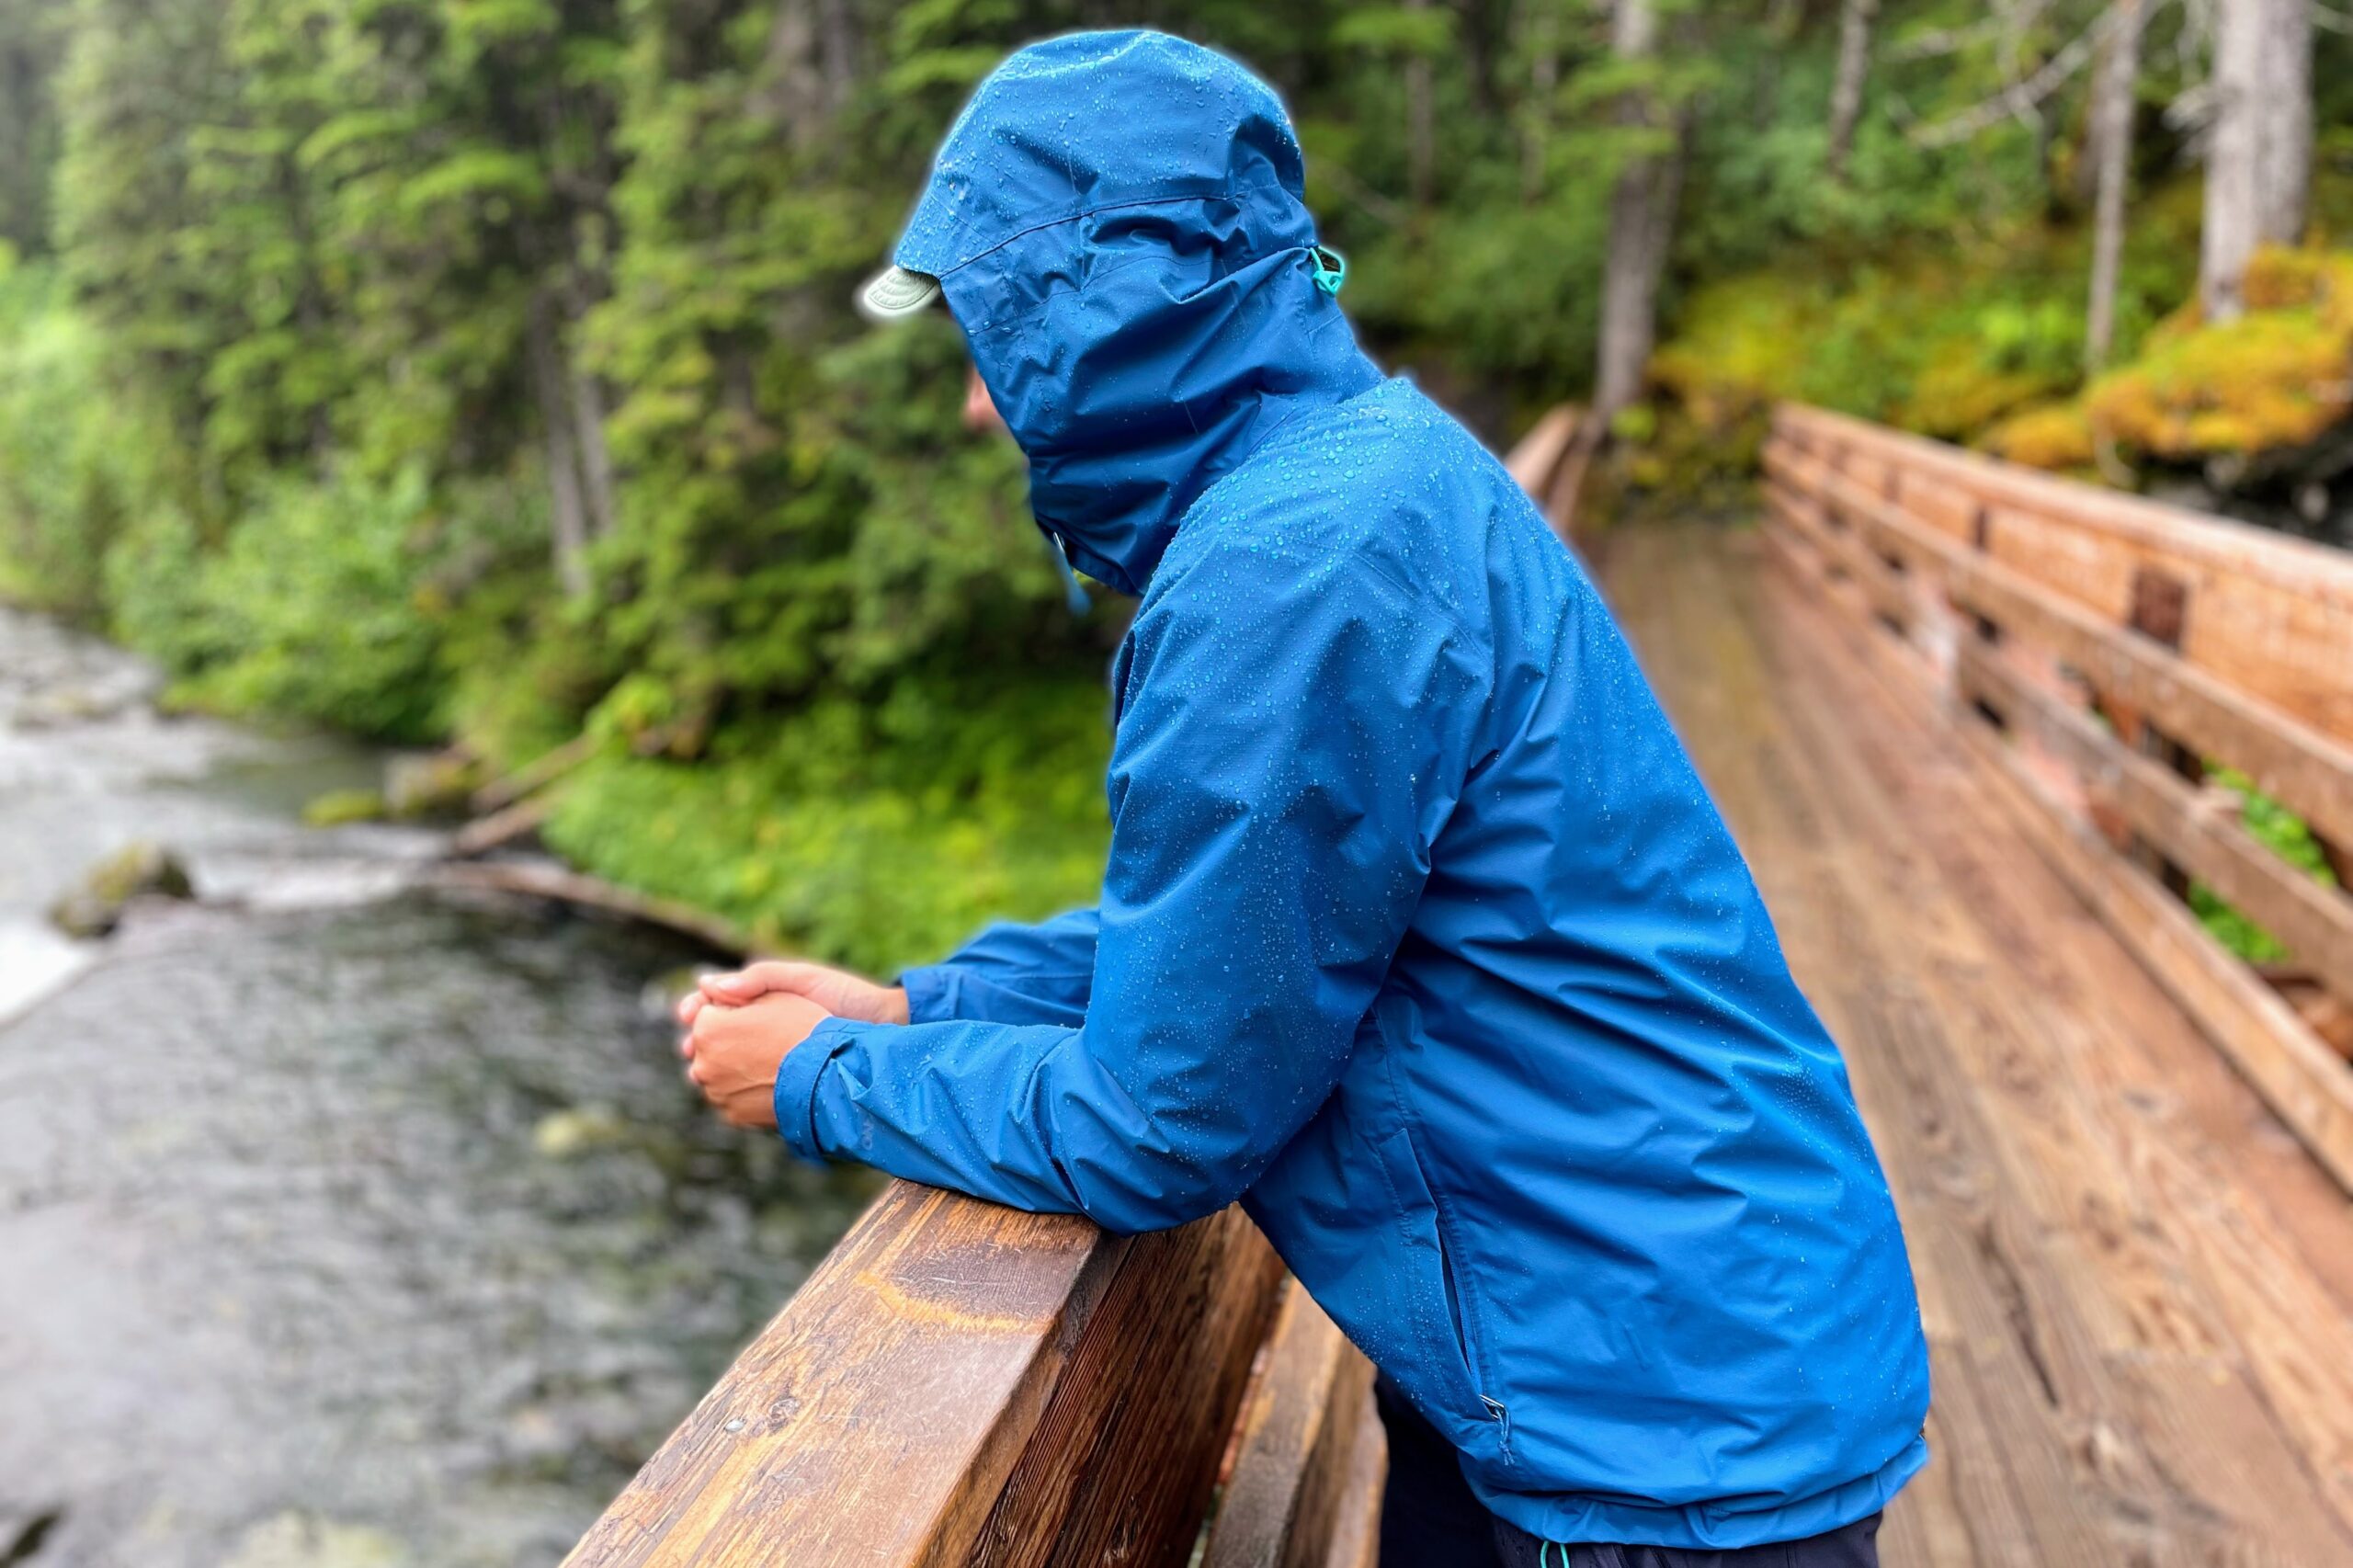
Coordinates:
(2139, 1289)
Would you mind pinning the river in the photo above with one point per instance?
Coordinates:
(341, 1226)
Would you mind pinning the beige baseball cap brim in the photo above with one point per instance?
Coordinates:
(895, 293)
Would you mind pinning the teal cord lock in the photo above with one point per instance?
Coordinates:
(1330, 269)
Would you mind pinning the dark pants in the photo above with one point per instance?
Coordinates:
(1429, 1520)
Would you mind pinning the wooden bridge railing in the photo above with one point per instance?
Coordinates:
(2108, 654)
(960, 1383)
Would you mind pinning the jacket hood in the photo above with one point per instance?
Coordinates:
(1118, 225)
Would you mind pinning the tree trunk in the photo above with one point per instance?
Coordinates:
(1537, 37)
(2284, 161)
(1642, 218)
(1421, 144)
(2111, 144)
(792, 91)
(550, 385)
(840, 51)
(1855, 19)
(2260, 146)
(595, 460)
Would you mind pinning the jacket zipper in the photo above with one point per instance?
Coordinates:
(1457, 1313)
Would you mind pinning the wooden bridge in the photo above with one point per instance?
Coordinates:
(1965, 721)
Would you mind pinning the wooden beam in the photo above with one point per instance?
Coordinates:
(1299, 1438)
(2275, 1048)
(1886, 595)
(1124, 1460)
(2194, 831)
(2269, 614)
(1534, 459)
(2297, 1075)
(1356, 1535)
(2198, 539)
(961, 1383)
(2309, 772)
(1549, 464)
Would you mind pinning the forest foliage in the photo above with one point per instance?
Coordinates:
(482, 371)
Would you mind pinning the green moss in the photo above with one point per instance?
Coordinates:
(1954, 337)
(2277, 377)
(337, 807)
(2054, 435)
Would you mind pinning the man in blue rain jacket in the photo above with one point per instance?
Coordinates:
(1418, 935)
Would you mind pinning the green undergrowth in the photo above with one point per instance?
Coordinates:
(2285, 834)
(1947, 335)
(875, 836)
(1977, 337)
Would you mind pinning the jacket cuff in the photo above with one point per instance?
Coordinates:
(796, 1087)
(931, 992)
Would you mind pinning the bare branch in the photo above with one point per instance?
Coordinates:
(1938, 42)
(2023, 96)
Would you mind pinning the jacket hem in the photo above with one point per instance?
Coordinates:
(1702, 1527)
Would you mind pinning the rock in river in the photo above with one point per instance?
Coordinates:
(139, 870)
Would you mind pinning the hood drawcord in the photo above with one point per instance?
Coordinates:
(1330, 269)
(1072, 594)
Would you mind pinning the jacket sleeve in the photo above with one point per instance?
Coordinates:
(1011, 975)
(1288, 748)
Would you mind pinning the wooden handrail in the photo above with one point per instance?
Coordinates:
(2270, 614)
(2224, 545)
(2120, 646)
(1549, 464)
(2193, 831)
(960, 1383)
(2310, 772)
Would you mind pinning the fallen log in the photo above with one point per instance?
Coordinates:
(535, 880)
(500, 828)
(534, 776)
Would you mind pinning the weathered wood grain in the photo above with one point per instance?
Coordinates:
(2309, 771)
(1355, 1533)
(2138, 676)
(2196, 830)
(2270, 614)
(2303, 1080)
(1299, 1440)
(954, 1375)
(1120, 1467)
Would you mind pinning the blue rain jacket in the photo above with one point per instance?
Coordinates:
(1419, 934)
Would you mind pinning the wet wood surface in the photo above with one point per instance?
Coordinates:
(962, 1383)
(1296, 1498)
(2138, 1285)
